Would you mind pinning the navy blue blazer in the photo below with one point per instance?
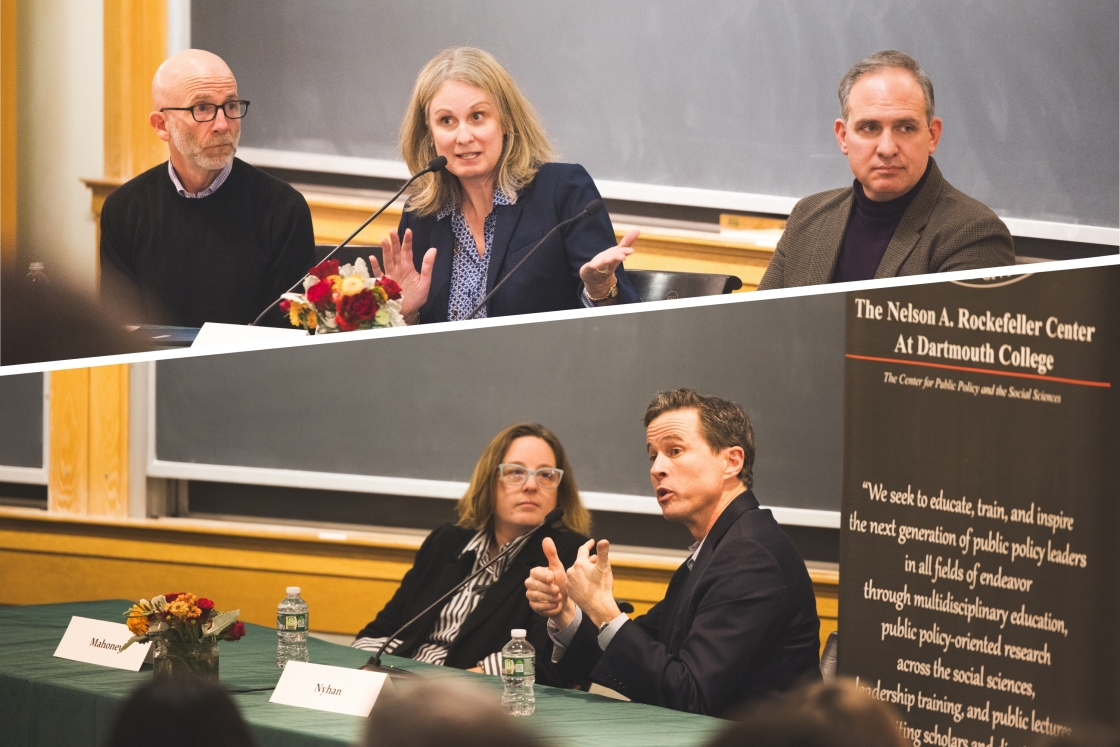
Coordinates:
(550, 280)
(741, 624)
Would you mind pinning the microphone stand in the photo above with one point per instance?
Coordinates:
(592, 207)
(374, 664)
(436, 164)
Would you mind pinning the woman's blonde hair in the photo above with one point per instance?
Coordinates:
(525, 145)
(476, 507)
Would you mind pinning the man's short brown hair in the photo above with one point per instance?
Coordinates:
(888, 58)
(722, 423)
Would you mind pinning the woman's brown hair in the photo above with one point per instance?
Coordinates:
(525, 145)
(476, 507)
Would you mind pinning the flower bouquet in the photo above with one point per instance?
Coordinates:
(343, 299)
(186, 630)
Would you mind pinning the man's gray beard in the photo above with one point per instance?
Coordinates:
(193, 151)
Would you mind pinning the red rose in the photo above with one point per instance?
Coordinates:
(361, 305)
(320, 293)
(391, 287)
(345, 323)
(234, 632)
(206, 606)
(172, 596)
(285, 305)
(324, 269)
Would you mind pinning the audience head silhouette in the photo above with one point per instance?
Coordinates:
(180, 712)
(833, 713)
(439, 712)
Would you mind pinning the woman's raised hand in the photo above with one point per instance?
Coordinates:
(598, 274)
(400, 267)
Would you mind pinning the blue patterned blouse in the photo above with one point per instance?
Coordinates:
(468, 269)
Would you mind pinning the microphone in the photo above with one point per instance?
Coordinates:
(374, 664)
(436, 164)
(592, 208)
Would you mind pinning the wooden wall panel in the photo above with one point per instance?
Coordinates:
(8, 134)
(654, 252)
(247, 566)
(108, 441)
(335, 215)
(68, 480)
(135, 45)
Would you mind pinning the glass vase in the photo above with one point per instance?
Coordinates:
(185, 659)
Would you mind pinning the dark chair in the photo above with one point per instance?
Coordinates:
(828, 658)
(347, 254)
(656, 285)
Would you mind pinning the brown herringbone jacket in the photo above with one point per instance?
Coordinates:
(943, 229)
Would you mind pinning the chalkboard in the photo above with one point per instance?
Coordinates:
(978, 535)
(424, 406)
(21, 416)
(736, 95)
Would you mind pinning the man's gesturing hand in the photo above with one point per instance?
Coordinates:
(591, 583)
(547, 589)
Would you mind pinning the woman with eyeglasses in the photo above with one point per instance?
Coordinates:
(523, 474)
(466, 228)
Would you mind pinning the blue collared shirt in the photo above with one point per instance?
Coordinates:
(219, 180)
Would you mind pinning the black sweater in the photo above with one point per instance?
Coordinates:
(871, 226)
(168, 259)
(504, 607)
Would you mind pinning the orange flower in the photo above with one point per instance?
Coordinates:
(184, 607)
(137, 620)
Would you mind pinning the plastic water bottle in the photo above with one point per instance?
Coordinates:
(36, 274)
(519, 672)
(291, 629)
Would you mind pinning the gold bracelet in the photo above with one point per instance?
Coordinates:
(610, 294)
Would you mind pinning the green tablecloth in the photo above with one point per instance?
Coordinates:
(46, 701)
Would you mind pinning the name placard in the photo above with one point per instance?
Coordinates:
(99, 642)
(323, 688)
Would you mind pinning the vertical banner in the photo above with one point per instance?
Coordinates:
(980, 526)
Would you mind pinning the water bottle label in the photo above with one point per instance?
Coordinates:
(291, 622)
(519, 666)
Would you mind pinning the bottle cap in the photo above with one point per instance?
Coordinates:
(293, 591)
(517, 632)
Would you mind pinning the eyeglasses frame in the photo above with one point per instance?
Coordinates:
(531, 473)
(240, 102)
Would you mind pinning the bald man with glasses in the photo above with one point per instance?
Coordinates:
(203, 237)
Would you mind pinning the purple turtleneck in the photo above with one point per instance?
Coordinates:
(871, 226)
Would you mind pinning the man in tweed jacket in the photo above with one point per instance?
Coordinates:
(900, 216)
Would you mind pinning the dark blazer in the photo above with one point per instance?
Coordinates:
(504, 607)
(550, 280)
(743, 623)
(943, 229)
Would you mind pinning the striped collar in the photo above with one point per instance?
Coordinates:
(219, 180)
(480, 546)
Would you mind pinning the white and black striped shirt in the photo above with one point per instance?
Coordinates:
(435, 647)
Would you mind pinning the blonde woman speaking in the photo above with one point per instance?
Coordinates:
(501, 192)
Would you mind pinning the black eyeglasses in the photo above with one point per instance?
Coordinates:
(207, 112)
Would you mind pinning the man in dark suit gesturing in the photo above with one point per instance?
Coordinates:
(739, 617)
(900, 216)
